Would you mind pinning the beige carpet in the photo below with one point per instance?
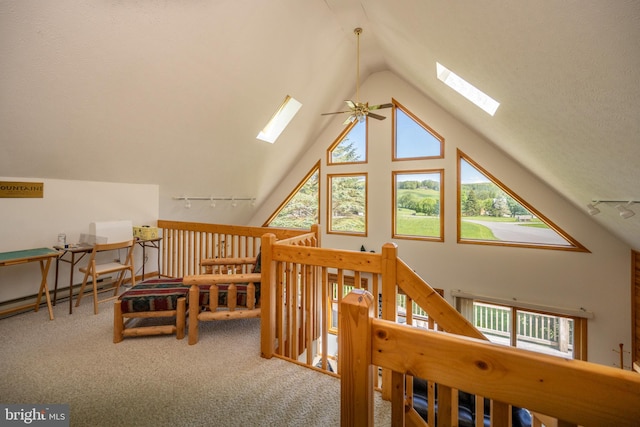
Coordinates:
(160, 381)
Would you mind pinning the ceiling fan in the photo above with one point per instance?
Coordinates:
(360, 110)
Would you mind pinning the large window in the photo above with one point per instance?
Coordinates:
(412, 138)
(536, 330)
(301, 209)
(347, 201)
(418, 204)
(490, 213)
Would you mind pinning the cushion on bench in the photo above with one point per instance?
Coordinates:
(153, 295)
(241, 291)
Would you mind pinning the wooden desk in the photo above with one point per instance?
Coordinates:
(149, 243)
(82, 250)
(42, 255)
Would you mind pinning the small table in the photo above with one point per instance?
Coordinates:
(73, 250)
(149, 243)
(43, 256)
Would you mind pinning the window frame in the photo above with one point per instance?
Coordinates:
(394, 205)
(302, 183)
(579, 326)
(329, 207)
(572, 244)
(342, 136)
(426, 127)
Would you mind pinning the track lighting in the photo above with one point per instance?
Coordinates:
(624, 211)
(212, 200)
(621, 205)
(592, 209)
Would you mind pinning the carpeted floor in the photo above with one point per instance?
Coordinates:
(160, 381)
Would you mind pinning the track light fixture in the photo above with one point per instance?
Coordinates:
(212, 200)
(624, 211)
(592, 208)
(621, 205)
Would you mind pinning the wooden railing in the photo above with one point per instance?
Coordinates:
(295, 289)
(577, 392)
(185, 244)
(297, 306)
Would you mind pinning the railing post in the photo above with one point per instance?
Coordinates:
(267, 297)
(356, 371)
(389, 267)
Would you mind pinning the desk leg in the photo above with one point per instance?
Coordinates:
(73, 265)
(44, 269)
(144, 259)
(55, 287)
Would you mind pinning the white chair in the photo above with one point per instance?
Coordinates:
(96, 270)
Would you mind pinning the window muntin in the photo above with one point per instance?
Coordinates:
(301, 209)
(418, 205)
(490, 213)
(412, 138)
(351, 146)
(347, 204)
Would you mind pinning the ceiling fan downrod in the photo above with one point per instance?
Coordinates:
(357, 32)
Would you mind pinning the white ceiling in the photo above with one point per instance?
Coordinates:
(186, 86)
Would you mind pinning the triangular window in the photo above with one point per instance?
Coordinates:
(350, 146)
(490, 213)
(301, 209)
(412, 138)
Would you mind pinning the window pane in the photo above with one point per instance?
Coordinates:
(348, 203)
(301, 209)
(418, 201)
(489, 213)
(494, 321)
(352, 148)
(413, 139)
(545, 333)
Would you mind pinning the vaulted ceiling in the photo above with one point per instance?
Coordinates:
(174, 93)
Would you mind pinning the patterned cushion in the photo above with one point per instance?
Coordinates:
(241, 290)
(153, 295)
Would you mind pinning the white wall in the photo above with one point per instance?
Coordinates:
(68, 207)
(597, 282)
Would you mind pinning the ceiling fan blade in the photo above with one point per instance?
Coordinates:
(376, 116)
(350, 104)
(337, 112)
(378, 107)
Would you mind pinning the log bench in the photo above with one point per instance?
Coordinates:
(154, 298)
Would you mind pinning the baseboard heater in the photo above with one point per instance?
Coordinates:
(63, 294)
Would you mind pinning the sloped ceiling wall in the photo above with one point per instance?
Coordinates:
(174, 93)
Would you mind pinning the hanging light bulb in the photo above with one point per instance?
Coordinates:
(213, 202)
(233, 202)
(187, 203)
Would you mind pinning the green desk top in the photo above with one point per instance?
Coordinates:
(27, 254)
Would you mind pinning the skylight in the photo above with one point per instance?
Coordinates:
(280, 120)
(466, 89)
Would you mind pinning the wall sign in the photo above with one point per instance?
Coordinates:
(21, 190)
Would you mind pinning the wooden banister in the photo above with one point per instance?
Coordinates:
(577, 392)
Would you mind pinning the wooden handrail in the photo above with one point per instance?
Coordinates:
(571, 390)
